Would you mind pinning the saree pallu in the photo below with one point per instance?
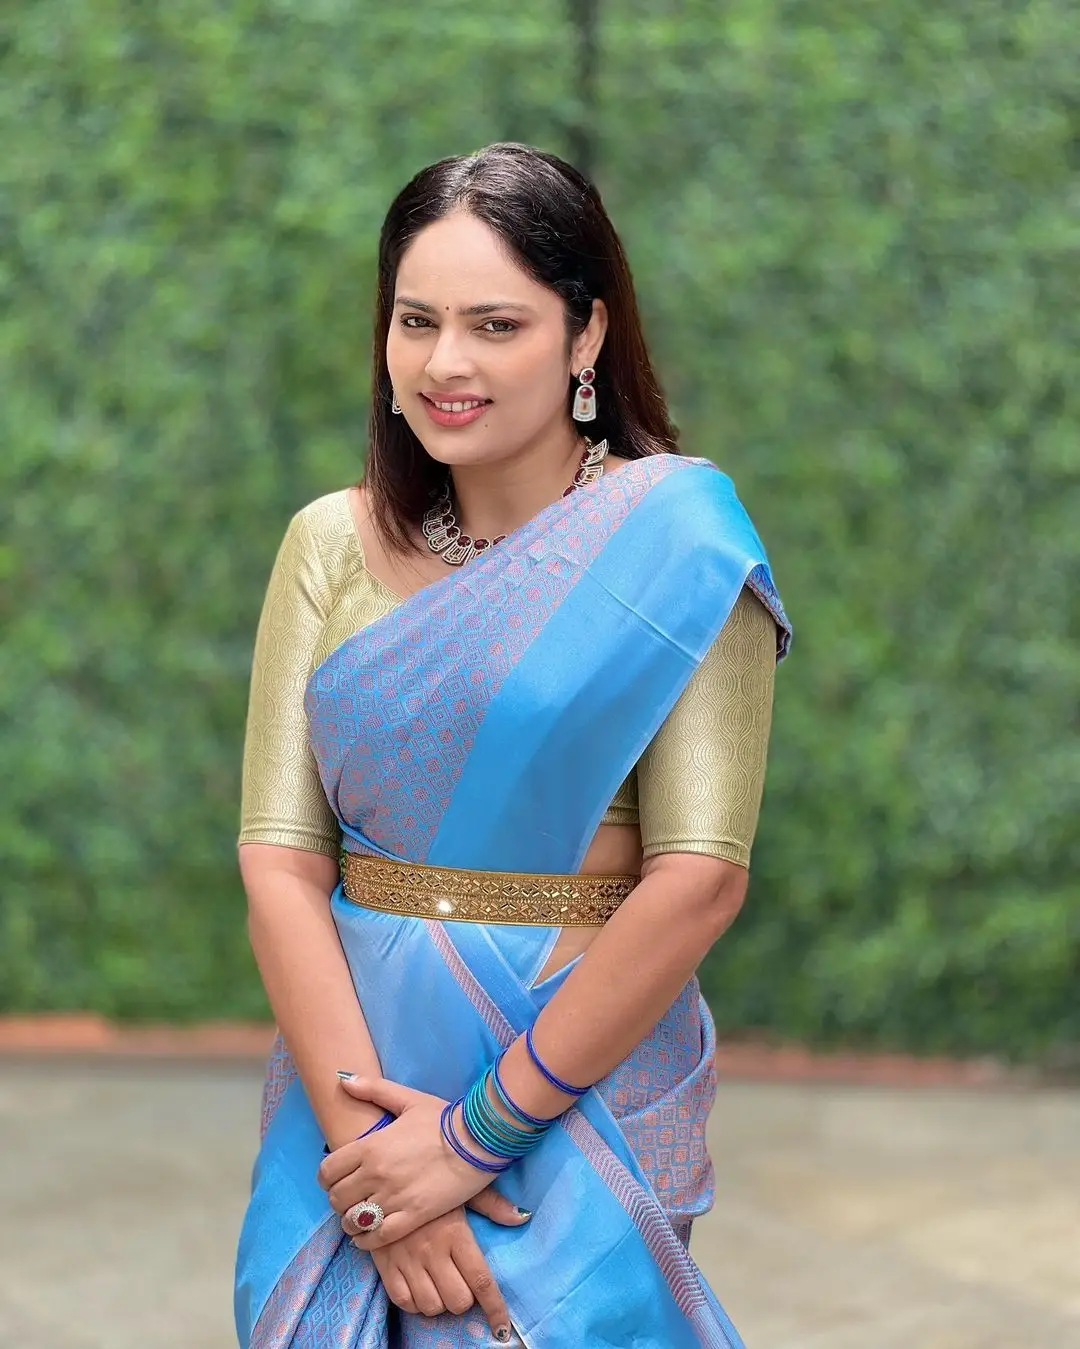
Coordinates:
(487, 723)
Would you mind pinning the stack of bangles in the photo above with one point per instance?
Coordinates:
(506, 1134)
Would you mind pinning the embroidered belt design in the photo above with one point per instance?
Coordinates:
(461, 896)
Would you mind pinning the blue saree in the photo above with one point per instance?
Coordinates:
(487, 723)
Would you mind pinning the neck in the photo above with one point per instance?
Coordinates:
(497, 498)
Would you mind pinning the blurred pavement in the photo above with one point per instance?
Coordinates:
(847, 1217)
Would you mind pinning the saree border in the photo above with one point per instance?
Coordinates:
(283, 1309)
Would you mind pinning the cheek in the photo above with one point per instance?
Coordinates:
(405, 355)
(533, 371)
(394, 353)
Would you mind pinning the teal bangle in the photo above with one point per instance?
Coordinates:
(446, 1125)
(484, 1126)
(503, 1138)
(494, 1134)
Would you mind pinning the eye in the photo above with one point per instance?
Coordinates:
(415, 321)
(499, 327)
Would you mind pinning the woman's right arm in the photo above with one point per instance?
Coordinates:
(307, 980)
(289, 845)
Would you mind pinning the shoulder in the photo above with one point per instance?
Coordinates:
(690, 510)
(324, 534)
(685, 476)
(693, 499)
(325, 519)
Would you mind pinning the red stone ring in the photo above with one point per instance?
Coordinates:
(367, 1217)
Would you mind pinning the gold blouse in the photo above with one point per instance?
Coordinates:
(697, 788)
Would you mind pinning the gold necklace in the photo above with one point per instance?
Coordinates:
(443, 533)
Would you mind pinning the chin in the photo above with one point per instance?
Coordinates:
(454, 456)
(455, 451)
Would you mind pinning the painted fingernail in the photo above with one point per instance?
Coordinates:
(345, 1075)
(503, 1334)
(523, 1212)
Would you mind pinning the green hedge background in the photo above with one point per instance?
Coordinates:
(856, 236)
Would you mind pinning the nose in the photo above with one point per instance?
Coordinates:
(449, 358)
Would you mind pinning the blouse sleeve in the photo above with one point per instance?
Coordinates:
(701, 779)
(282, 798)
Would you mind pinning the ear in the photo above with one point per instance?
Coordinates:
(586, 346)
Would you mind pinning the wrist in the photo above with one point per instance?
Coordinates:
(489, 1129)
(461, 1142)
(526, 1086)
(350, 1122)
(473, 1144)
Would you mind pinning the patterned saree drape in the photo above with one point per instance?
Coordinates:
(487, 723)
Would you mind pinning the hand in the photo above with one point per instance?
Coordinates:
(440, 1268)
(406, 1168)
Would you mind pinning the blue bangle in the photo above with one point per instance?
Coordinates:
(511, 1105)
(379, 1124)
(556, 1082)
(446, 1125)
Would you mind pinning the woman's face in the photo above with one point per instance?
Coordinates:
(477, 350)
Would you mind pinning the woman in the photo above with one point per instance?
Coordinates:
(524, 677)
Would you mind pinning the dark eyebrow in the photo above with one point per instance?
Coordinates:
(473, 310)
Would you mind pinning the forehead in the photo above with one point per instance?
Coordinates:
(460, 261)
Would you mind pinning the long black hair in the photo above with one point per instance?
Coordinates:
(554, 222)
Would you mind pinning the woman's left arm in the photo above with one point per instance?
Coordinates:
(699, 785)
(630, 975)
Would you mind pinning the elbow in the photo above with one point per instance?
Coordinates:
(713, 889)
(277, 879)
(724, 899)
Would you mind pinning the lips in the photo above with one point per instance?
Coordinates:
(461, 410)
(457, 402)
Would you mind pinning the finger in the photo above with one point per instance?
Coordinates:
(395, 1280)
(394, 1228)
(340, 1163)
(455, 1293)
(474, 1270)
(382, 1092)
(424, 1293)
(352, 1190)
(398, 1290)
(498, 1208)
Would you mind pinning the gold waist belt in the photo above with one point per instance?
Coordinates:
(482, 896)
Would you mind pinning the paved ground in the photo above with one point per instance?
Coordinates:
(849, 1218)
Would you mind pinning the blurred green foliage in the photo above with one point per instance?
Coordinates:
(855, 234)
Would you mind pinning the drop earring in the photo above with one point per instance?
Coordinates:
(585, 398)
(395, 406)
